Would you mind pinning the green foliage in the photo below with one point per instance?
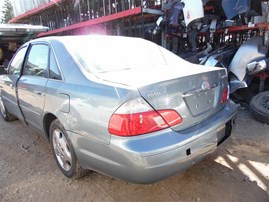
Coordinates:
(7, 11)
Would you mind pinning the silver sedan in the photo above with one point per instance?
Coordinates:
(124, 107)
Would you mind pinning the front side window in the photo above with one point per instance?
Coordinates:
(37, 61)
(17, 62)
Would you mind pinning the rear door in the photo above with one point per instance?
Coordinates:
(32, 84)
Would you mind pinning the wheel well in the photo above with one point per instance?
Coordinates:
(47, 122)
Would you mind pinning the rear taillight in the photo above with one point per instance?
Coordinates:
(225, 95)
(137, 117)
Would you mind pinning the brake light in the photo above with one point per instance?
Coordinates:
(137, 117)
(225, 95)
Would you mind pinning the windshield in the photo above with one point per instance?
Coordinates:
(116, 54)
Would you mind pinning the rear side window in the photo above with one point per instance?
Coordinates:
(16, 64)
(54, 72)
(37, 61)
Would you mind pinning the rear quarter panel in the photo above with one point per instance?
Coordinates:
(83, 104)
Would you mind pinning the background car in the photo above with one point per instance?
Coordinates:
(12, 36)
(125, 107)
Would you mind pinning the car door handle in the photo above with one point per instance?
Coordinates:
(38, 93)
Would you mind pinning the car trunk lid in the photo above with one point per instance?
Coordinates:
(195, 97)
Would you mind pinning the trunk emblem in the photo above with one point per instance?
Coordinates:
(154, 94)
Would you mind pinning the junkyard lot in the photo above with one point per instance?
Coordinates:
(237, 171)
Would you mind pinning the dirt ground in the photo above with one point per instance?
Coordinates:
(237, 171)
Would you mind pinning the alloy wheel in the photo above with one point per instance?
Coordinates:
(62, 150)
(2, 108)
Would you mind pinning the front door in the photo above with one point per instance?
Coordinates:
(9, 92)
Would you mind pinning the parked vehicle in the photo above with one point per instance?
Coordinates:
(14, 35)
(121, 106)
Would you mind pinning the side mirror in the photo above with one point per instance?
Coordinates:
(5, 64)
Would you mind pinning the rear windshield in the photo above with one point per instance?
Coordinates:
(99, 55)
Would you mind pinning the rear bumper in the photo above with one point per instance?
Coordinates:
(152, 157)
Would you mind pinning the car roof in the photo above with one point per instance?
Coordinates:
(96, 42)
(75, 37)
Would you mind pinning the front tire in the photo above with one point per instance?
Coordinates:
(4, 112)
(259, 107)
(63, 152)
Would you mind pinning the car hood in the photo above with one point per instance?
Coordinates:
(252, 50)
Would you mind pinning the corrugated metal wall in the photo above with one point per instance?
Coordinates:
(22, 6)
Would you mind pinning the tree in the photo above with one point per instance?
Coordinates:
(7, 12)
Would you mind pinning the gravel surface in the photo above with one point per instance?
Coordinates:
(237, 171)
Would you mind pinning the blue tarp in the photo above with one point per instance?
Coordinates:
(233, 8)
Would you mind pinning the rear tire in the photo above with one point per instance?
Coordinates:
(259, 107)
(4, 113)
(63, 152)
